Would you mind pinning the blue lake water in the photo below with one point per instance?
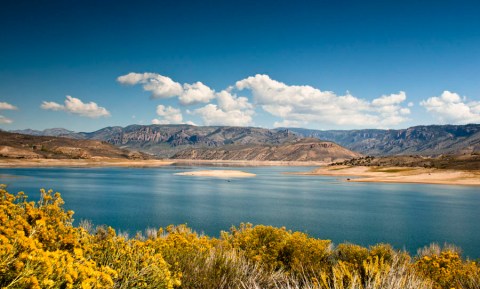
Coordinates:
(408, 216)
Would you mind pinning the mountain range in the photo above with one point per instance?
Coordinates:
(170, 140)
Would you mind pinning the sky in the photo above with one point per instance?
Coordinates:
(326, 64)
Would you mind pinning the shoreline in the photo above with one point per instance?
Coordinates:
(413, 175)
(110, 162)
(81, 163)
(247, 163)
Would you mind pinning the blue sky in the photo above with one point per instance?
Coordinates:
(84, 65)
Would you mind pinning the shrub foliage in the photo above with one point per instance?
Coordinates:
(40, 248)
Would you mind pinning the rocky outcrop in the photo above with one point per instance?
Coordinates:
(167, 140)
(423, 140)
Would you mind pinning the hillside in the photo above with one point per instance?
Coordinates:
(468, 162)
(21, 146)
(422, 140)
(302, 150)
(166, 140)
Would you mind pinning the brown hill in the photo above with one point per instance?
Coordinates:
(20, 146)
(464, 161)
(308, 149)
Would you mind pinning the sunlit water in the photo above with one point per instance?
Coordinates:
(408, 216)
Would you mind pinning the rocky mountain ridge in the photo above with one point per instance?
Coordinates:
(432, 140)
(308, 149)
(168, 140)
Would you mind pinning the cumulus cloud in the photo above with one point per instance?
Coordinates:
(305, 104)
(160, 86)
(196, 93)
(294, 105)
(230, 110)
(164, 87)
(169, 115)
(7, 106)
(76, 106)
(213, 115)
(4, 120)
(228, 101)
(450, 108)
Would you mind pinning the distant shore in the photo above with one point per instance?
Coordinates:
(100, 162)
(111, 162)
(400, 175)
(248, 163)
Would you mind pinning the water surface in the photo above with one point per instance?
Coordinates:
(408, 216)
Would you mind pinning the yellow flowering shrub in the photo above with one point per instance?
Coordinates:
(277, 248)
(262, 244)
(40, 248)
(37, 246)
(447, 269)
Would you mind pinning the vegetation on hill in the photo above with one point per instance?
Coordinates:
(469, 162)
(40, 248)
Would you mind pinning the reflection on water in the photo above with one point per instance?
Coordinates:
(406, 215)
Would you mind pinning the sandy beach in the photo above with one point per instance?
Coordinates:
(218, 174)
(109, 162)
(93, 162)
(400, 175)
(247, 163)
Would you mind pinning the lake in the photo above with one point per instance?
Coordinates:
(408, 216)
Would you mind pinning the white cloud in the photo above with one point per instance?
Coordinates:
(305, 104)
(213, 115)
(230, 110)
(164, 87)
(170, 115)
(160, 86)
(450, 108)
(227, 101)
(293, 104)
(196, 93)
(7, 106)
(50, 105)
(392, 99)
(4, 120)
(76, 106)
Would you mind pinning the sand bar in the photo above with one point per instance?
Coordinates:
(400, 175)
(218, 174)
(94, 162)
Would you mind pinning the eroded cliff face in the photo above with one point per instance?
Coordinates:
(167, 140)
(422, 140)
(301, 150)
